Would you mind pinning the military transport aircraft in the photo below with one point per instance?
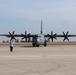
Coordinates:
(38, 39)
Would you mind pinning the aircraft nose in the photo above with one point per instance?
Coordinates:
(40, 41)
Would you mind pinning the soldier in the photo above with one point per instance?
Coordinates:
(11, 45)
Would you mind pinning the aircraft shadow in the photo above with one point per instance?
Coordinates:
(28, 47)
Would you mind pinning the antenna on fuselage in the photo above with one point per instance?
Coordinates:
(41, 26)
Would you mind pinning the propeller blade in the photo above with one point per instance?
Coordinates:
(25, 33)
(29, 39)
(67, 32)
(52, 36)
(22, 38)
(26, 39)
(28, 35)
(22, 34)
(55, 36)
(25, 36)
(14, 38)
(10, 33)
(63, 33)
(68, 39)
(66, 36)
(49, 38)
(64, 39)
(52, 33)
(52, 39)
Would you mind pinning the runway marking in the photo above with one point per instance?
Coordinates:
(41, 56)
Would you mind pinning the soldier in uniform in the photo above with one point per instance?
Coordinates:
(11, 45)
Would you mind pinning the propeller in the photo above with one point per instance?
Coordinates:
(52, 36)
(66, 36)
(12, 35)
(29, 39)
(26, 36)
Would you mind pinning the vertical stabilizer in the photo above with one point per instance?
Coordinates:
(41, 27)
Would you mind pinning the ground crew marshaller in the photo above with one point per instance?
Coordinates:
(11, 45)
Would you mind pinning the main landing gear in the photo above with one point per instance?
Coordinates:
(34, 45)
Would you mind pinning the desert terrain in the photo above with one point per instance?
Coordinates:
(55, 59)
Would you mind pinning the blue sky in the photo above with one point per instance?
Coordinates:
(26, 15)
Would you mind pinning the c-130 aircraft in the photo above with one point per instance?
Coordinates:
(38, 39)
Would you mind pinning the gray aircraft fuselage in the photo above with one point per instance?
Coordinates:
(39, 40)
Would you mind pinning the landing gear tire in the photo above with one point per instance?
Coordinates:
(33, 45)
(37, 45)
(45, 45)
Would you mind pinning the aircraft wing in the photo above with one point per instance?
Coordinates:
(12, 35)
(65, 36)
(28, 36)
(54, 36)
(7, 35)
(24, 36)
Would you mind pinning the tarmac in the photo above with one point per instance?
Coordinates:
(27, 60)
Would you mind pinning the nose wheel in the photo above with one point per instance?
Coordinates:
(33, 45)
(45, 45)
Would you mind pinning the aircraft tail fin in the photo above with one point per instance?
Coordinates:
(41, 27)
